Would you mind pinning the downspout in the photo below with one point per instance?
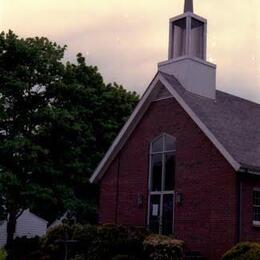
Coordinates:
(239, 201)
(242, 172)
(117, 187)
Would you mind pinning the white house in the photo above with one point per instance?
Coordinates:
(59, 221)
(28, 224)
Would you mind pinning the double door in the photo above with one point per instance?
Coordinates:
(161, 212)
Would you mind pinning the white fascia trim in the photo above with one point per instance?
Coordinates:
(245, 169)
(110, 155)
(98, 173)
(188, 14)
(256, 223)
(186, 57)
(201, 125)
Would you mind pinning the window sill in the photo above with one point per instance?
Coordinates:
(256, 224)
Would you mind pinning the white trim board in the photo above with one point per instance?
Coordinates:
(202, 126)
(136, 116)
(125, 131)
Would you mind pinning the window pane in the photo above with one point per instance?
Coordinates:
(156, 180)
(169, 182)
(154, 221)
(170, 143)
(167, 218)
(256, 198)
(157, 145)
(256, 213)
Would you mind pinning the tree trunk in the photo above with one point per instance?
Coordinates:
(11, 226)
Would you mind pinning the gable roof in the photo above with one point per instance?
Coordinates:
(28, 214)
(234, 121)
(231, 123)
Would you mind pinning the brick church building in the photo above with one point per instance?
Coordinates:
(187, 162)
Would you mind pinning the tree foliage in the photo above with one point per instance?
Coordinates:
(56, 122)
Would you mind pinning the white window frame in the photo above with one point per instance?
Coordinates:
(255, 222)
(162, 192)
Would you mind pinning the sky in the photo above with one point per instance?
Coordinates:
(127, 38)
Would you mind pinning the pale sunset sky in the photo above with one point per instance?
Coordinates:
(127, 38)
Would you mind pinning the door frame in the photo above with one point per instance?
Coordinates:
(161, 194)
(164, 152)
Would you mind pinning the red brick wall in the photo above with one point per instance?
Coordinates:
(206, 220)
(248, 231)
(108, 194)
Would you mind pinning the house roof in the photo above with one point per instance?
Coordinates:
(234, 121)
(28, 214)
(231, 123)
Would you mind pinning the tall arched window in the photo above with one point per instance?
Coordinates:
(161, 184)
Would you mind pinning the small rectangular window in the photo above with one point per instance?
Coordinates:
(256, 206)
(156, 184)
(169, 171)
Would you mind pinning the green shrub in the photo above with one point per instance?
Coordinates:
(124, 257)
(25, 248)
(49, 243)
(158, 247)
(112, 240)
(243, 251)
(3, 254)
(79, 257)
(94, 242)
(84, 235)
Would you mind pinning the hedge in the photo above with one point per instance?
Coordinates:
(3, 254)
(158, 247)
(112, 242)
(243, 251)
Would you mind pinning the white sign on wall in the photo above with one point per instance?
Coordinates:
(155, 210)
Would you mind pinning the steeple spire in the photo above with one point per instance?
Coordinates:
(187, 55)
(188, 7)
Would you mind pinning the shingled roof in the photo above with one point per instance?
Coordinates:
(230, 122)
(234, 121)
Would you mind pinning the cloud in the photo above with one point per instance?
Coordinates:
(127, 38)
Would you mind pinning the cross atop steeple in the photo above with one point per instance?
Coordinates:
(188, 7)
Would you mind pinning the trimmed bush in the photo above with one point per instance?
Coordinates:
(158, 247)
(85, 235)
(115, 240)
(3, 254)
(125, 257)
(79, 257)
(51, 249)
(243, 251)
(95, 242)
(110, 242)
(25, 248)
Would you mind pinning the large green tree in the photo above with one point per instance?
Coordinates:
(56, 121)
(27, 68)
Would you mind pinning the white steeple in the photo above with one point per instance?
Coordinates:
(187, 53)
